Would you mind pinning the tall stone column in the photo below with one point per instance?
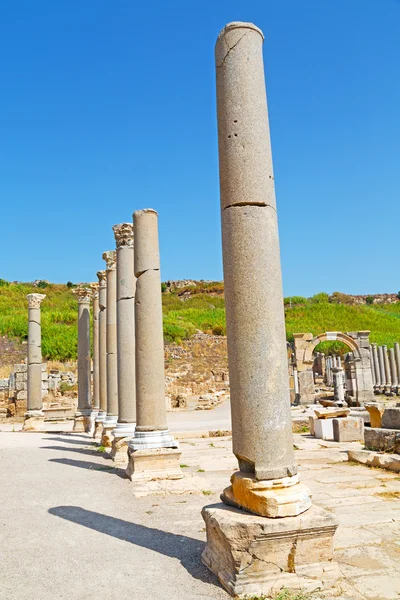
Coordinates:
(393, 370)
(378, 381)
(382, 366)
(102, 277)
(112, 369)
(34, 418)
(96, 370)
(82, 421)
(152, 448)
(268, 483)
(387, 369)
(397, 358)
(338, 384)
(371, 360)
(126, 288)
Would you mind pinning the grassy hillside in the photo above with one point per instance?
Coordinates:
(186, 310)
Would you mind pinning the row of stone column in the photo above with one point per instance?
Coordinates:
(385, 367)
(129, 408)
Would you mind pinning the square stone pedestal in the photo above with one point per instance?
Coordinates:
(253, 555)
(151, 464)
(119, 450)
(107, 435)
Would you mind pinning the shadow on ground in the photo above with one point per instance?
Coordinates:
(92, 466)
(88, 441)
(186, 550)
(91, 451)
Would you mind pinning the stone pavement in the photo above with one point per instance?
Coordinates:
(70, 527)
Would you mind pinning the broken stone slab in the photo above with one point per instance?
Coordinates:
(350, 429)
(332, 413)
(254, 555)
(323, 429)
(391, 418)
(383, 440)
(375, 414)
(391, 462)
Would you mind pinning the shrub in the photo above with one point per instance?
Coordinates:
(70, 284)
(4, 283)
(164, 287)
(320, 298)
(340, 298)
(369, 299)
(218, 330)
(42, 284)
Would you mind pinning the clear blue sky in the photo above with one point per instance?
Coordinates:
(109, 106)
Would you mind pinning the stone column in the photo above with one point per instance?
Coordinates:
(378, 380)
(96, 370)
(393, 370)
(126, 288)
(82, 421)
(382, 366)
(397, 358)
(112, 372)
(152, 445)
(267, 484)
(102, 277)
(371, 360)
(338, 387)
(34, 417)
(387, 370)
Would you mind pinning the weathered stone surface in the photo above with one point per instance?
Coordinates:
(323, 429)
(307, 387)
(375, 414)
(350, 429)
(119, 450)
(391, 462)
(252, 555)
(160, 463)
(272, 498)
(33, 423)
(107, 435)
(382, 439)
(332, 413)
(391, 418)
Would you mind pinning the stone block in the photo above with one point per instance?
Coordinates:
(391, 462)
(311, 425)
(307, 387)
(375, 414)
(323, 429)
(360, 411)
(391, 418)
(22, 368)
(21, 377)
(382, 440)
(22, 395)
(159, 463)
(348, 430)
(253, 555)
(331, 413)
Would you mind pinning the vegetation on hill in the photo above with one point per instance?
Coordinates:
(186, 310)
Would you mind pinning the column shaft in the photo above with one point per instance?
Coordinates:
(96, 367)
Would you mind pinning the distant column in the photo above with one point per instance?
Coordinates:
(378, 380)
(393, 370)
(34, 418)
(382, 366)
(112, 370)
(151, 426)
(371, 360)
(102, 277)
(387, 369)
(126, 288)
(82, 421)
(338, 386)
(96, 371)
(397, 357)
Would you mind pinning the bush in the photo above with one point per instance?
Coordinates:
(163, 288)
(4, 283)
(70, 284)
(294, 300)
(340, 298)
(218, 330)
(42, 284)
(320, 298)
(369, 300)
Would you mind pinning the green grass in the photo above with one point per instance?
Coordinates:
(184, 315)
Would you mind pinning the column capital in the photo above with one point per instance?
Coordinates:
(95, 289)
(111, 258)
(102, 275)
(123, 234)
(35, 300)
(83, 295)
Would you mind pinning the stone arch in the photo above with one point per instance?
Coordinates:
(330, 336)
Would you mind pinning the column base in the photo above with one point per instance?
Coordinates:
(150, 465)
(98, 425)
(34, 421)
(252, 555)
(122, 436)
(152, 439)
(82, 421)
(107, 433)
(285, 497)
